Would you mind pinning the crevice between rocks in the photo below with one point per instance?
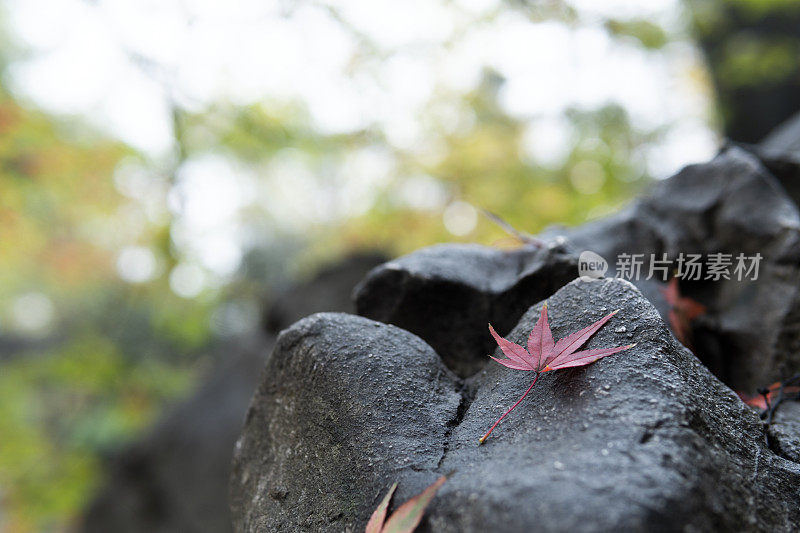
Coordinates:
(467, 393)
(774, 445)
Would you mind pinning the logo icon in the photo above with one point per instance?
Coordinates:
(591, 266)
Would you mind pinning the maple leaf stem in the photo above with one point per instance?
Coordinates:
(483, 439)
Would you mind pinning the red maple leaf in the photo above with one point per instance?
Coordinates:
(543, 354)
(769, 395)
(408, 516)
(682, 310)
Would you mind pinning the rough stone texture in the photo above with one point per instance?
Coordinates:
(751, 335)
(346, 405)
(447, 294)
(645, 440)
(784, 432)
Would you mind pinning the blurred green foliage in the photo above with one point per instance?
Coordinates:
(647, 33)
(60, 411)
(750, 61)
(485, 165)
(761, 7)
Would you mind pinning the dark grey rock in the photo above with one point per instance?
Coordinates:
(448, 293)
(644, 440)
(751, 334)
(780, 153)
(784, 432)
(347, 407)
(785, 139)
(785, 167)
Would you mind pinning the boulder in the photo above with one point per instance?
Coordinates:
(784, 140)
(448, 293)
(784, 432)
(644, 440)
(346, 404)
(780, 153)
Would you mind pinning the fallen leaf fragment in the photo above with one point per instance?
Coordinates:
(408, 516)
(682, 311)
(375, 523)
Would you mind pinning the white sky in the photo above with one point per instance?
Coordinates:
(247, 51)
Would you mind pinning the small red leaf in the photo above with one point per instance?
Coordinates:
(408, 516)
(770, 396)
(540, 341)
(585, 357)
(570, 343)
(681, 313)
(758, 402)
(513, 364)
(375, 524)
(542, 355)
(513, 351)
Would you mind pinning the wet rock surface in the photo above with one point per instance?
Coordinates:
(784, 141)
(647, 439)
(784, 432)
(644, 440)
(446, 294)
(347, 404)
